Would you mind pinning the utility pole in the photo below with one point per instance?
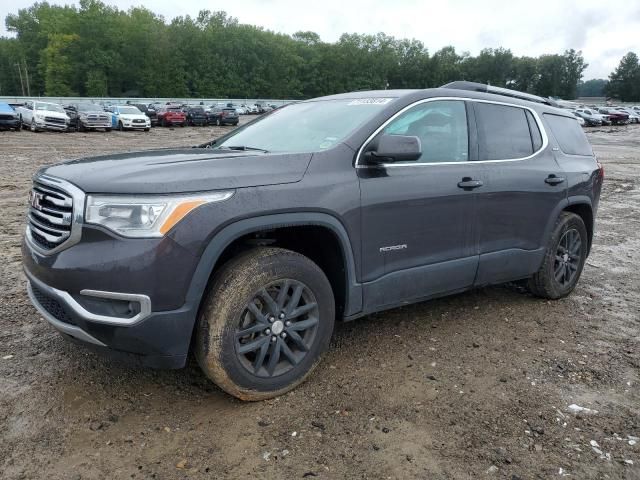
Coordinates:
(26, 74)
(21, 81)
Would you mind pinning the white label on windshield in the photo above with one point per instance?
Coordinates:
(370, 101)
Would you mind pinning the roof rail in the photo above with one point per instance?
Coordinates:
(481, 87)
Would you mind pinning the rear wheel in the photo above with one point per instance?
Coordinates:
(120, 126)
(266, 322)
(563, 260)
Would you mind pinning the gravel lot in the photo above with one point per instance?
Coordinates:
(471, 386)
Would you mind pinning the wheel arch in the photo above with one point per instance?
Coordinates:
(584, 210)
(221, 247)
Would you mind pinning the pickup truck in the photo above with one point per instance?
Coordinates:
(40, 116)
(88, 116)
(9, 118)
(247, 249)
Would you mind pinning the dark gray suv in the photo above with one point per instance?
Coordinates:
(246, 249)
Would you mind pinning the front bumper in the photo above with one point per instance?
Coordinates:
(85, 294)
(9, 123)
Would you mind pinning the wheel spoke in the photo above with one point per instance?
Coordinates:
(567, 274)
(303, 325)
(297, 339)
(250, 330)
(289, 354)
(301, 310)
(257, 314)
(558, 269)
(282, 295)
(295, 298)
(572, 267)
(259, 361)
(271, 304)
(252, 345)
(274, 357)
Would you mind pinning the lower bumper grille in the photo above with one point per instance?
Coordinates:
(51, 305)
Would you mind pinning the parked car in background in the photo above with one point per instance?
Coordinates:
(241, 110)
(39, 116)
(128, 117)
(149, 111)
(170, 115)
(88, 116)
(196, 116)
(616, 117)
(580, 120)
(634, 115)
(592, 112)
(9, 118)
(589, 119)
(223, 116)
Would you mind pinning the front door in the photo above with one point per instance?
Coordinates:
(418, 218)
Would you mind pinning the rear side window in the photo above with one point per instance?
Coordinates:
(570, 136)
(536, 137)
(503, 132)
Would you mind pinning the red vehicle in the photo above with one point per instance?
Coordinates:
(616, 117)
(169, 116)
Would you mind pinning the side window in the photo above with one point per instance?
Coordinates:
(536, 137)
(503, 132)
(569, 134)
(440, 125)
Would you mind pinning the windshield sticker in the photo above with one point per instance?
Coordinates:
(370, 101)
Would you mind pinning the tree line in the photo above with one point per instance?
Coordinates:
(99, 50)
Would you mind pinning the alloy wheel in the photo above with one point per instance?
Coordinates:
(277, 328)
(568, 256)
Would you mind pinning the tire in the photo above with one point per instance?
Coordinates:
(147, 129)
(120, 127)
(244, 281)
(33, 125)
(218, 122)
(569, 230)
(107, 129)
(81, 127)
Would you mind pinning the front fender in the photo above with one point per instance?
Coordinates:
(233, 231)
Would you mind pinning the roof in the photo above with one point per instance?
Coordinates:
(5, 107)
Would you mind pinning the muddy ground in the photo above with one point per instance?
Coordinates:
(477, 385)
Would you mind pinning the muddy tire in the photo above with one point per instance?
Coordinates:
(266, 322)
(563, 260)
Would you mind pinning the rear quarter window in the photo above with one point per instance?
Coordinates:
(569, 135)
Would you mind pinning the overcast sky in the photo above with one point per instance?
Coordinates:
(604, 30)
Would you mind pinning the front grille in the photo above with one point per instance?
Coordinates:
(139, 120)
(50, 216)
(61, 121)
(51, 305)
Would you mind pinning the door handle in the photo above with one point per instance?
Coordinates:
(553, 180)
(468, 183)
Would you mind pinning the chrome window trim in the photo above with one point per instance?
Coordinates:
(77, 216)
(543, 133)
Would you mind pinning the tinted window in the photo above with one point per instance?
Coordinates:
(441, 127)
(503, 132)
(570, 136)
(536, 137)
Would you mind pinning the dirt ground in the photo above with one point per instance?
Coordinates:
(477, 385)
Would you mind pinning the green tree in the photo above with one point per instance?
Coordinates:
(624, 81)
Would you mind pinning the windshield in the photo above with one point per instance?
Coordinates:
(89, 107)
(307, 126)
(130, 110)
(51, 107)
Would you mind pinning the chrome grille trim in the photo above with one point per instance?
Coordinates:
(54, 221)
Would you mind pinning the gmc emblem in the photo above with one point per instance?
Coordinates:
(34, 199)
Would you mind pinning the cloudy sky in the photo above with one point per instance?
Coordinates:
(603, 30)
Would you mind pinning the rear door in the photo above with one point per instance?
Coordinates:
(418, 217)
(523, 188)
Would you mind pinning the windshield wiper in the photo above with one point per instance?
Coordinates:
(244, 147)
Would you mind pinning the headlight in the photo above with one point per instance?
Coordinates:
(145, 216)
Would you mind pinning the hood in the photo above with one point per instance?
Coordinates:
(132, 116)
(50, 113)
(180, 170)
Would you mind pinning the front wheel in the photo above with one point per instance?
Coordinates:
(120, 126)
(266, 322)
(564, 259)
(34, 128)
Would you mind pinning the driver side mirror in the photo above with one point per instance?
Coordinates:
(395, 148)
